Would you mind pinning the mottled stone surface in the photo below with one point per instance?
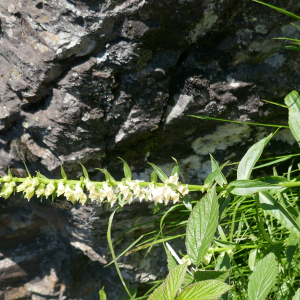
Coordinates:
(91, 81)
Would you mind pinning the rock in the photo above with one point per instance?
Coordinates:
(90, 82)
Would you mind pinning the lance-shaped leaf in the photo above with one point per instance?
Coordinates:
(102, 294)
(158, 293)
(127, 171)
(160, 173)
(176, 168)
(85, 172)
(220, 179)
(201, 226)
(204, 290)
(262, 278)
(212, 176)
(248, 187)
(63, 173)
(292, 100)
(250, 158)
(274, 208)
(292, 245)
(174, 281)
(153, 176)
(297, 295)
(108, 177)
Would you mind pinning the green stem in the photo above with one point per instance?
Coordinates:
(113, 252)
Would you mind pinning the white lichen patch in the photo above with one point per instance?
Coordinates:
(286, 136)
(225, 136)
(181, 103)
(201, 28)
(232, 82)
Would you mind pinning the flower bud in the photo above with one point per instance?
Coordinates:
(35, 182)
(90, 186)
(50, 188)
(207, 258)
(7, 178)
(7, 190)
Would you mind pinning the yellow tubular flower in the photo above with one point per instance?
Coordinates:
(69, 193)
(183, 189)
(35, 182)
(40, 190)
(173, 179)
(60, 188)
(50, 188)
(29, 192)
(7, 178)
(174, 197)
(23, 185)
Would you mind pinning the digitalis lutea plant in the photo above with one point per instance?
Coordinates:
(109, 191)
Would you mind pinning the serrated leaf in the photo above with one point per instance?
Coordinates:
(274, 208)
(212, 176)
(126, 168)
(172, 263)
(292, 100)
(220, 179)
(176, 168)
(174, 281)
(102, 294)
(297, 295)
(250, 158)
(201, 226)
(160, 173)
(153, 176)
(208, 275)
(158, 293)
(262, 278)
(188, 279)
(249, 187)
(204, 290)
(63, 174)
(85, 173)
(108, 177)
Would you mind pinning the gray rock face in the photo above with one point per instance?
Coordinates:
(91, 81)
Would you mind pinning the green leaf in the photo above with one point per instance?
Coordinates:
(176, 168)
(262, 278)
(206, 275)
(292, 100)
(273, 179)
(187, 202)
(248, 187)
(160, 173)
(223, 205)
(279, 9)
(153, 176)
(291, 247)
(250, 158)
(204, 290)
(274, 208)
(102, 294)
(188, 279)
(174, 281)
(252, 259)
(127, 171)
(108, 177)
(63, 174)
(212, 176)
(158, 293)
(201, 226)
(223, 263)
(220, 179)
(297, 295)
(85, 173)
(172, 263)
(237, 122)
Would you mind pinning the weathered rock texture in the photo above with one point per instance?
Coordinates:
(90, 81)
